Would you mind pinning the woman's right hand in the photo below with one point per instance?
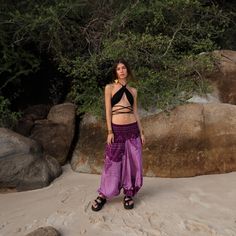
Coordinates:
(110, 138)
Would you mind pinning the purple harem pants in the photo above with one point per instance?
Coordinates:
(123, 162)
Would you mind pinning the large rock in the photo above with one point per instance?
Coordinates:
(88, 154)
(56, 132)
(225, 75)
(44, 231)
(31, 114)
(193, 139)
(22, 163)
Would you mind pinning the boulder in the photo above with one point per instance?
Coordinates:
(23, 165)
(44, 231)
(192, 139)
(31, 114)
(56, 132)
(225, 75)
(89, 151)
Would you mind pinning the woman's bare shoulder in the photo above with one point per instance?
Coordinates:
(133, 90)
(109, 86)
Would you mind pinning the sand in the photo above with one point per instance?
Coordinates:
(202, 206)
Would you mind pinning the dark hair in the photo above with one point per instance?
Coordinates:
(121, 60)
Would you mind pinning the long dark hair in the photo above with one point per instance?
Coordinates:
(129, 72)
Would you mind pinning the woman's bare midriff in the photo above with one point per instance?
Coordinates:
(123, 119)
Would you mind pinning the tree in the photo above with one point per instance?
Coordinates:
(82, 38)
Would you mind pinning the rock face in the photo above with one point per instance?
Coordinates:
(22, 163)
(88, 154)
(31, 114)
(225, 75)
(44, 231)
(193, 139)
(56, 132)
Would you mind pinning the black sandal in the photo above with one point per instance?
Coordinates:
(127, 205)
(100, 201)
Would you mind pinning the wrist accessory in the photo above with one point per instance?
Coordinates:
(110, 131)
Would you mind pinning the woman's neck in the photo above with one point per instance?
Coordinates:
(122, 81)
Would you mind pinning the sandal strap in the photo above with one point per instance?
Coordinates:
(100, 202)
(127, 198)
(97, 202)
(101, 199)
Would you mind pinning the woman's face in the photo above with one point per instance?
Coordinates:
(121, 71)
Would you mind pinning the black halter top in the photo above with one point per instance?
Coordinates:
(117, 97)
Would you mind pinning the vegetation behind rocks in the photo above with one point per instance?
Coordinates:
(79, 40)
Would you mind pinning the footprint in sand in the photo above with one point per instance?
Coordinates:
(130, 223)
(96, 219)
(230, 232)
(83, 231)
(99, 222)
(149, 232)
(153, 220)
(193, 198)
(3, 225)
(27, 227)
(147, 225)
(196, 226)
(87, 206)
(60, 217)
(66, 194)
(18, 230)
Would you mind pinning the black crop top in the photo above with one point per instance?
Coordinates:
(117, 97)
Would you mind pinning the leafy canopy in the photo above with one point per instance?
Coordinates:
(162, 40)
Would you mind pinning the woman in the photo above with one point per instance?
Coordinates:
(123, 154)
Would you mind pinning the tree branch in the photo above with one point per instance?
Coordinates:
(173, 37)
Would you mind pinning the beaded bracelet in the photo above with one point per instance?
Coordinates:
(110, 131)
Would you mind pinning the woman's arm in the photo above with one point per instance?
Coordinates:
(108, 105)
(135, 109)
(110, 137)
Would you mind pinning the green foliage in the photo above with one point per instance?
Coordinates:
(30, 30)
(162, 39)
(85, 90)
(49, 25)
(8, 118)
(169, 88)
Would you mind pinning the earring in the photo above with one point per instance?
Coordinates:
(116, 81)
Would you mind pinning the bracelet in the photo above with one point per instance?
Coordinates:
(110, 131)
(142, 132)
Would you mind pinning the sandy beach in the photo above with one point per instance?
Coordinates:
(201, 206)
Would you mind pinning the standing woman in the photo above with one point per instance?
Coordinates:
(123, 153)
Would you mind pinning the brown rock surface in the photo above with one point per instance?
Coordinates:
(193, 139)
(44, 231)
(56, 133)
(225, 75)
(23, 165)
(63, 114)
(89, 152)
(31, 114)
